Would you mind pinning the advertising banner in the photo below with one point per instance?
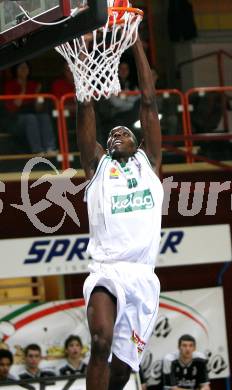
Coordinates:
(54, 255)
(191, 311)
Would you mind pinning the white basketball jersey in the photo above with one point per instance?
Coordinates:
(124, 208)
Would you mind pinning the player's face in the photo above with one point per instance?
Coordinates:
(74, 349)
(123, 70)
(121, 143)
(4, 367)
(33, 358)
(186, 349)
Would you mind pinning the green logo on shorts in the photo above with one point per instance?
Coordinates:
(139, 200)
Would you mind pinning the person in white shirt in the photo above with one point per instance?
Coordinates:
(124, 199)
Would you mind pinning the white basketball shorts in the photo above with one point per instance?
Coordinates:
(137, 290)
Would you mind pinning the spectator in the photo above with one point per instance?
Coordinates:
(6, 361)
(27, 116)
(124, 102)
(73, 350)
(62, 86)
(124, 75)
(207, 112)
(207, 116)
(186, 369)
(32, 361)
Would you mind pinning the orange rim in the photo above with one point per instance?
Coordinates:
(135, 11)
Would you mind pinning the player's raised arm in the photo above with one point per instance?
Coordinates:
(91, 151)
(148, 108)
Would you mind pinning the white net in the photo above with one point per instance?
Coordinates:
(95, 66)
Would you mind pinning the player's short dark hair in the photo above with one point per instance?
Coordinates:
(32, 347)
(186, 337)
(6, 354)
(72, 338)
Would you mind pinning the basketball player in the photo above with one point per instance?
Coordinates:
(124, 199)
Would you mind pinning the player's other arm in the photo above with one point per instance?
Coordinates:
(90, 150)
(148, 108)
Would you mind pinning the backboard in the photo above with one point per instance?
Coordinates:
(26, 30)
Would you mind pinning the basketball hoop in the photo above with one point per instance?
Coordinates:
(95, 69)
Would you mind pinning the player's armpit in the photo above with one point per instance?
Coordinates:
(91, 166)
